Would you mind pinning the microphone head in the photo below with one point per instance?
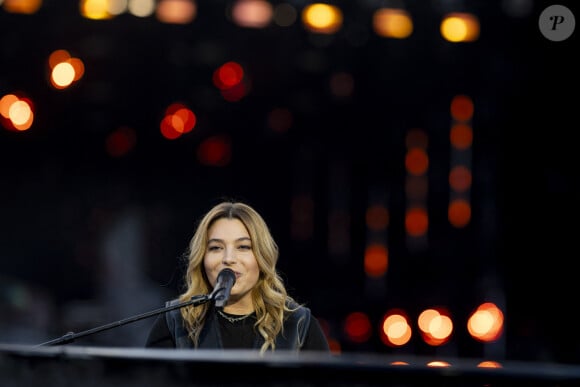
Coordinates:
(226, 275)
(221, 292)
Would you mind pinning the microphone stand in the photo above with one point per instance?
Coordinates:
(71, 336)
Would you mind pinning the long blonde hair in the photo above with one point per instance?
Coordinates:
(269, 297)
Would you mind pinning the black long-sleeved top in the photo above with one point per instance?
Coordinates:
(233, 334)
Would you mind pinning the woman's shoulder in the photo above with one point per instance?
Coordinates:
(297, 312)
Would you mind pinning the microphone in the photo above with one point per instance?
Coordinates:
(221, 291)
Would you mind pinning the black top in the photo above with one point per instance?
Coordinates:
(238, 334)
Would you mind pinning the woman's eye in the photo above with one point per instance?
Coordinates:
(245, 247)
(213, 248)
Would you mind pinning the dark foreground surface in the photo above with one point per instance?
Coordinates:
(105, 366)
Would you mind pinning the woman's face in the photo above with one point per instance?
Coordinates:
(229, 246)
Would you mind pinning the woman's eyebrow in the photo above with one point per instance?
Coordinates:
(242, 239)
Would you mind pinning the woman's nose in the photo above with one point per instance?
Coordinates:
(229, 255)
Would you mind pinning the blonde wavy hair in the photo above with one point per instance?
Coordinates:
(269, 296)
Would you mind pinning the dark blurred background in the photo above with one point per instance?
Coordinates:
(87, 238)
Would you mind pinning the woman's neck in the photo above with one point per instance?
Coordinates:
(239, 307)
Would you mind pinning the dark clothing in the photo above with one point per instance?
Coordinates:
(302, 331)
